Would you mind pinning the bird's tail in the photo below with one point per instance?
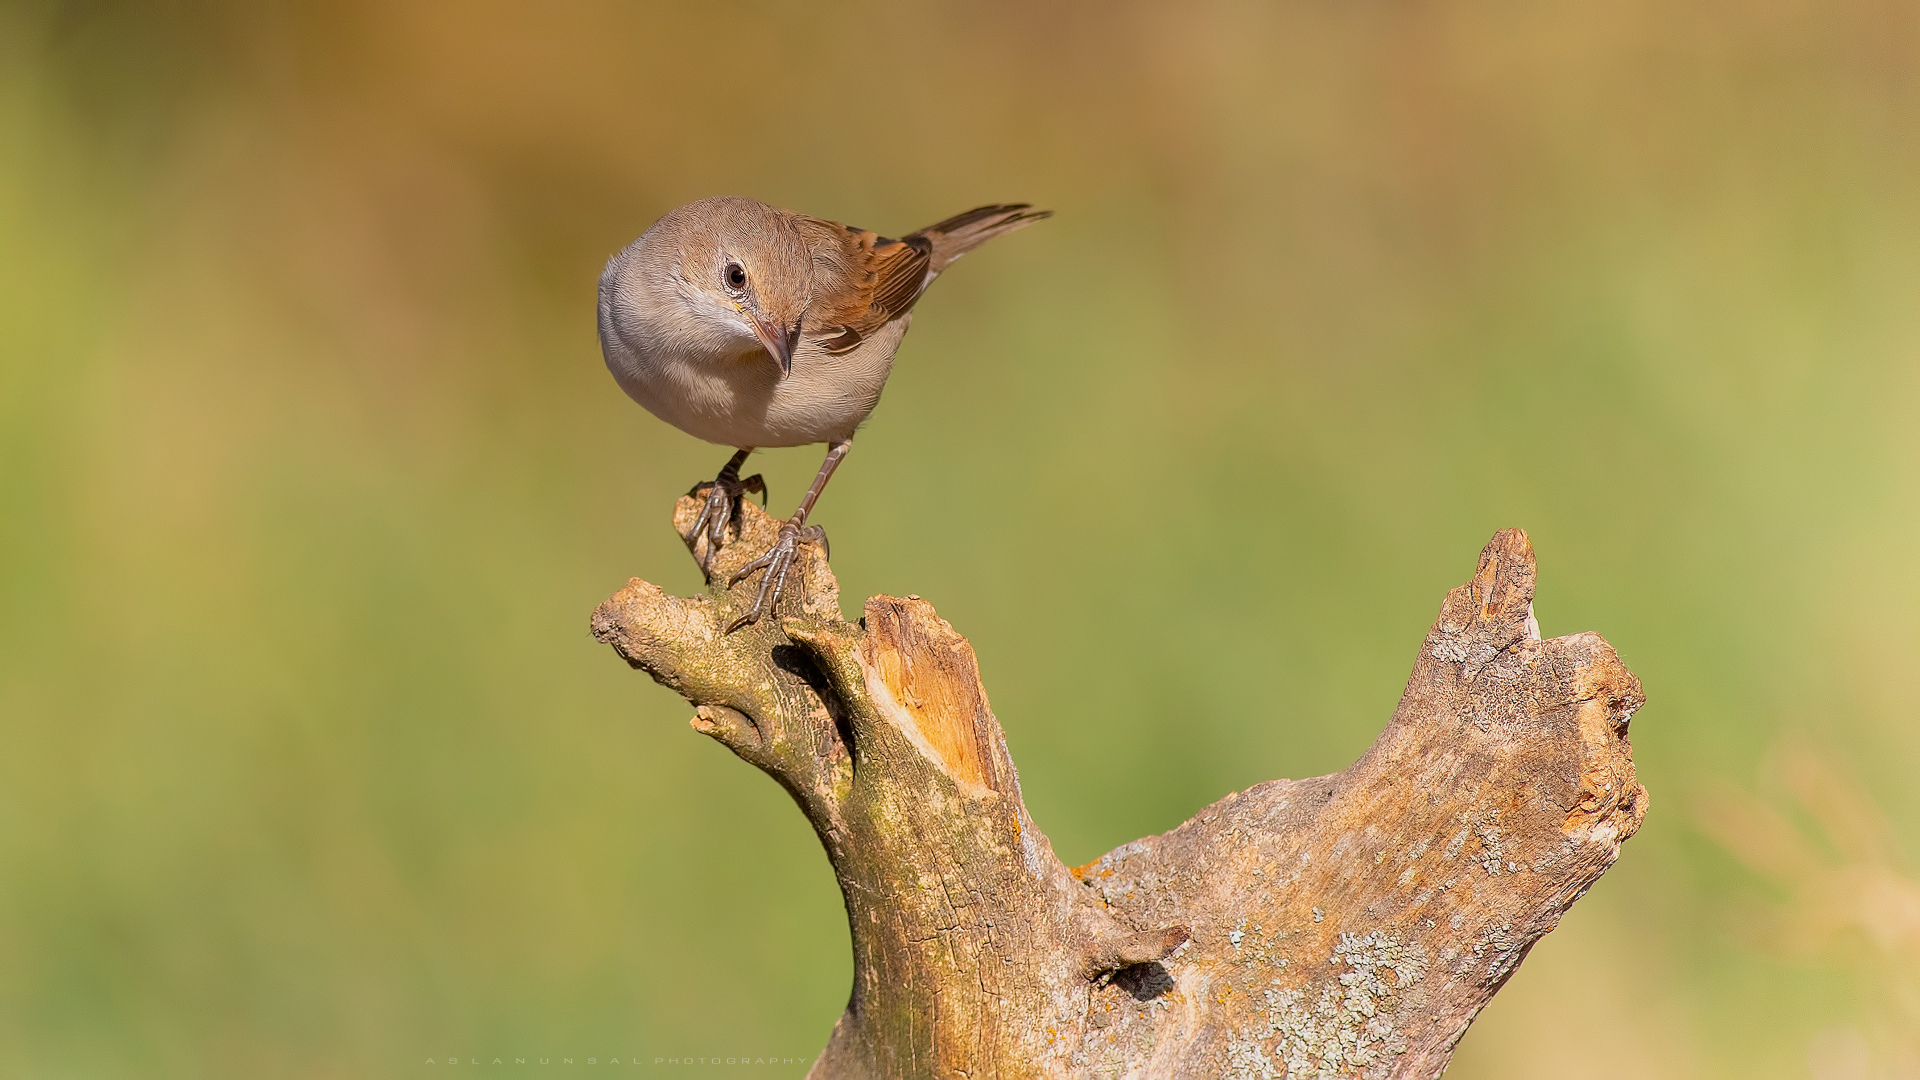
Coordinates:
(962, 233)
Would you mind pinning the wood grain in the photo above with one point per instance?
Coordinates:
(1349, 925)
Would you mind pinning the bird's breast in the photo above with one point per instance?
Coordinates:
(743, 401)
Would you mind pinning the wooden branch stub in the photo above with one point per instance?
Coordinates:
(924, 679)
(1345, 926)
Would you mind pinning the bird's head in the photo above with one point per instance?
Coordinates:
(725, 279)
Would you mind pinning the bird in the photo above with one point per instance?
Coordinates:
(751, 326)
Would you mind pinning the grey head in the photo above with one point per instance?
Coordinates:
(719, 281)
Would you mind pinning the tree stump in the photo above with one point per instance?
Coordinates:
(1349, 925)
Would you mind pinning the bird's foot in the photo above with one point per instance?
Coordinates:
(777, 561)
(720, 509)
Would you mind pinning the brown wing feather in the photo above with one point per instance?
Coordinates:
(900, 274)
(863, 281)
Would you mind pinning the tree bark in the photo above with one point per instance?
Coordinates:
(1349, 925)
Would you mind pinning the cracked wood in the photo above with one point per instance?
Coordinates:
(1348, 925)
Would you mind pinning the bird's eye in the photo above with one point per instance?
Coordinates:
(736, 276)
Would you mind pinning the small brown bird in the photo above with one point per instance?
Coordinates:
(751, 326)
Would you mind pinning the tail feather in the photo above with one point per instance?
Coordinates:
(962, 233)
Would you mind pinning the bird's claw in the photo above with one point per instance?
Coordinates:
(777, 561)
(720, 509)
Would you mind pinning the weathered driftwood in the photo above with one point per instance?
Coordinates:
(1347, 925)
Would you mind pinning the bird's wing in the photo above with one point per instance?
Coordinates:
(862, 282)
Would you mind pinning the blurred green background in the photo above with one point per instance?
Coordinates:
(310, 474)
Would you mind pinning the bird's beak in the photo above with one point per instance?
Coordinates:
(779, 343)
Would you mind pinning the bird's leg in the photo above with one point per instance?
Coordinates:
(778, 559)
(721, 507)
